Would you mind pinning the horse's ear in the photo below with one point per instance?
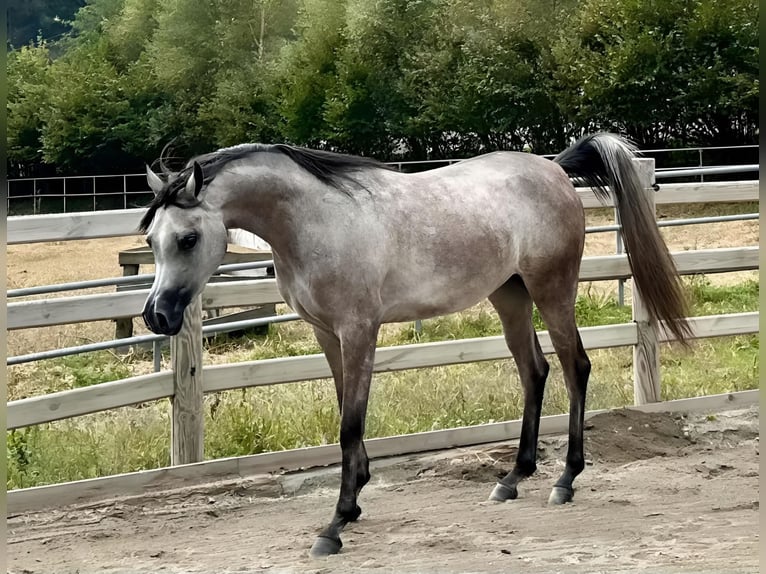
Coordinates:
(195, 181)
(155, 183)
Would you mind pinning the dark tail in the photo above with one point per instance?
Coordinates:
(605, 161)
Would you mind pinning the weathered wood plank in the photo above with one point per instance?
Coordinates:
(399, 358)
(241, 294)
(188, 418)
(254, 467)
(124, 222)
(707, 192)
(646, 351)
(67, 404)
(674, 193)
(724, 260)
(108, 306)
(69, 226)
(724, 325)
(86, 400)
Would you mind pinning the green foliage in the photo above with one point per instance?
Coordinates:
(28, 92)
(94, 368)
(307, 69)
(665, 72)
(708, 299)
(124, 440)
(403, 79)
(90, 117)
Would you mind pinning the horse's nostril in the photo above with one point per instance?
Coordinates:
(162, 322)
(148, 321)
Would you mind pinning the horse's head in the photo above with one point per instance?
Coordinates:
(188, 238)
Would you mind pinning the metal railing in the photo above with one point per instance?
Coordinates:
(140, 191)
(142, 339)
(127, 280)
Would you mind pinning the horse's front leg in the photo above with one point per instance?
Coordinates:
(357, 354)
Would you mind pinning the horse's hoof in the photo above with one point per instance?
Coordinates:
(324, 546)
(560, 495)
(502, 492)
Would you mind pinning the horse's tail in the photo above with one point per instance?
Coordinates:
(605, 160)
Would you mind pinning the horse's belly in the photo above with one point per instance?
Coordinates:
(432, 296)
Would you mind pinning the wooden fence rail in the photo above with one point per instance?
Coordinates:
(108, 306)
(216, 378)
(92, 225)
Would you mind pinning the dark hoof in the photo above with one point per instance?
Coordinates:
(560, 495)
(502, 492)
(324, 546)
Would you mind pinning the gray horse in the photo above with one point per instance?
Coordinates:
(357, 244)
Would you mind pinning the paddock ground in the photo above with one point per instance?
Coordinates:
(664, 493)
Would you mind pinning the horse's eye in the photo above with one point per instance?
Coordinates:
(187, 241)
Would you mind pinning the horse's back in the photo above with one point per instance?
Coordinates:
(455, 234)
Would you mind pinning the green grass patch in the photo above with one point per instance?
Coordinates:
(101, 444)
(708, 299)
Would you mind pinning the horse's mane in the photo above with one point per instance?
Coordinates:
(329, 167)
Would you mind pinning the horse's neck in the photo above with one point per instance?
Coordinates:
(267, 203)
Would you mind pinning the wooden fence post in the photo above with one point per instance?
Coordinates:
(187, 434)
(646, 353)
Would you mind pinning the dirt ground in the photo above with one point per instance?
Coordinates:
(661, 493)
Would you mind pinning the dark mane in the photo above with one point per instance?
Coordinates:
(328, 167)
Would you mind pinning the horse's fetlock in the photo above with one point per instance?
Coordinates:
(350, 511)
(363, 478)
(525, 467)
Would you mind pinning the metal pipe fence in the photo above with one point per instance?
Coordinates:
(141, 339)
(139, 189)
(685, 172)
(680, 222)
(127, 280)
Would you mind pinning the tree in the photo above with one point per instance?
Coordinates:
(241, 105)
(306, 71)
(480, 80)
(366, 108)
(396, 79)
(665, 72)
(88, 116)
(28, 88)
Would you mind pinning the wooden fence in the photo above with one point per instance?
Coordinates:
(186, 382)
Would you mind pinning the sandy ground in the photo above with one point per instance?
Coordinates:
(661, 493)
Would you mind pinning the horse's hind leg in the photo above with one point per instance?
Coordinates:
(555, 300)
(514, 306)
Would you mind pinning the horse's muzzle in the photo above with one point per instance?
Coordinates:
(164, 314)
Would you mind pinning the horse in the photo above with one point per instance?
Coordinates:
(357, 244)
